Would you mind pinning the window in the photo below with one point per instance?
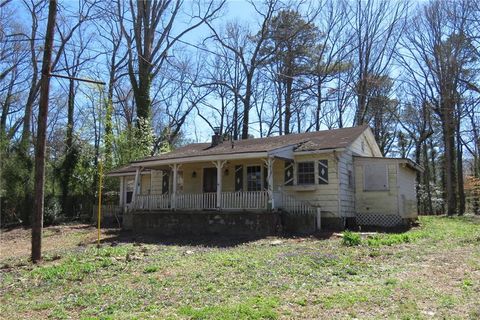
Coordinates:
(254, 178)
(306, 173)
(375, 177)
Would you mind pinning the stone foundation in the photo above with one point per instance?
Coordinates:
(178, 223)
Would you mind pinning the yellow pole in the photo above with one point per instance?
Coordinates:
(100, 173)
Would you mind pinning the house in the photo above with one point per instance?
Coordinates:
(300, 181)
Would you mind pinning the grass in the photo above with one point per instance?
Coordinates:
(431, 271)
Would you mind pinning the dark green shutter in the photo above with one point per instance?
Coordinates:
(239, 178)
(322, 171)
(289, 173)
(165, 182)
(265, 177)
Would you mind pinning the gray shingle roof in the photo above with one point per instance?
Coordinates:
(309, 141)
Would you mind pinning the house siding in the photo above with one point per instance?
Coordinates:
(346, 192)
(407, 192)
(376, 202)
(323, 195)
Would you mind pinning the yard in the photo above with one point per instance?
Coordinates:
(431, 271)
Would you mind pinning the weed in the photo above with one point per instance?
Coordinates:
(351, 239)
(150, 269)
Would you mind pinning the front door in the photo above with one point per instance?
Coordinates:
(210, 180)
(209, 188)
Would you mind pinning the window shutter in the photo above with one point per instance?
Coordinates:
(165, 182)
(289, 173)
(322, 171)
(265, 177)
(239, 178)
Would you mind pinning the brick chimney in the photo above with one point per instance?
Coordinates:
(217, 137)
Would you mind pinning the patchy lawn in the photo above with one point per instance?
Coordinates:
(431, 271)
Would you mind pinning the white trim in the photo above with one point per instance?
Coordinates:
(194, 159)
(126, 174)
(301, 153)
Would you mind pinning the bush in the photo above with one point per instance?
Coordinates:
(351, 239)
(52, 210)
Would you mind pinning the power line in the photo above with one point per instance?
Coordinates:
(77, 79)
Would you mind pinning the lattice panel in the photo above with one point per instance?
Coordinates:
(382, 220)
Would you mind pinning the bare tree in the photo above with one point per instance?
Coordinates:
(246, 48)
(151, 33)
(41, 136)
(377, 27)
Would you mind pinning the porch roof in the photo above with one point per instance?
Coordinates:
(309, 141)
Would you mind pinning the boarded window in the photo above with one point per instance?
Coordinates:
(375, 177)
(289, 173)
(306, 173)
(254, 178)
(350, 179)
(239, 178)
(322, 171)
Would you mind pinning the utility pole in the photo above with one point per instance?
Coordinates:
(37, 225)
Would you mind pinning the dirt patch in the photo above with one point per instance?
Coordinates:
(16, 243)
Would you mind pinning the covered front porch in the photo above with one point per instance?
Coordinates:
(227, 184)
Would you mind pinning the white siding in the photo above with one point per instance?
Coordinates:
(376, 202)
(407, 192)
(346, 193)
(399, 199)
(323, 195)
(367, 141)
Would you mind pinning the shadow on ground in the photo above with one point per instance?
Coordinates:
(117, 236)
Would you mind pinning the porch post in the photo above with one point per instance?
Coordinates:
(122, 191)
(270, 162)
(135, 186)
(219, 165)
(174, 187)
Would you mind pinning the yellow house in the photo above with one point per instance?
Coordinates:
(333, 176)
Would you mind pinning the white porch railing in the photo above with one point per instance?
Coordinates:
(198, 201)
(244, 200)
(296, 206)
(152, 202)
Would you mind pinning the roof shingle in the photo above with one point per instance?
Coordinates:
(309, 141)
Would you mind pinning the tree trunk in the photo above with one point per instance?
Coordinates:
(319, 105)
(246, 106)
(427, 180)
(235, 117)
(41, 136)
(460, 186)
(449, 160)
(288, 105)
(70, 152)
